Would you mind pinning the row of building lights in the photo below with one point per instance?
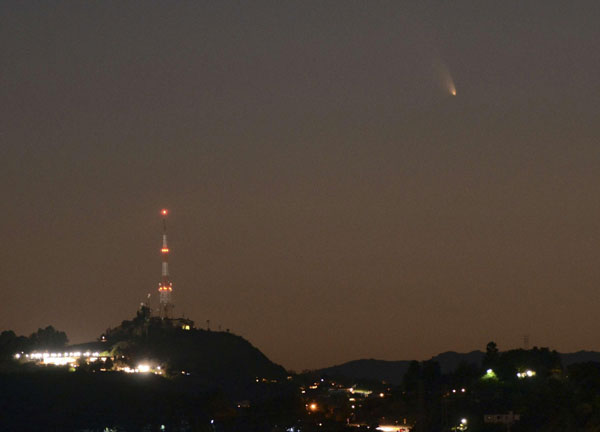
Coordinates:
(44, 355)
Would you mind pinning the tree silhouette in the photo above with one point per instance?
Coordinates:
(491, 355)
(48, 338)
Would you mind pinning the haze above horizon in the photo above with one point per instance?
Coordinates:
(330, 199)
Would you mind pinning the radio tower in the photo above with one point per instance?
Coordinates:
(165, 287)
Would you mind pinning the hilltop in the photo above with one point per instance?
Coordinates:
(212, 357)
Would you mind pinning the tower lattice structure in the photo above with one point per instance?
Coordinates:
(165, 287)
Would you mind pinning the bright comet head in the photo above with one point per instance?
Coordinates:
(451, 86)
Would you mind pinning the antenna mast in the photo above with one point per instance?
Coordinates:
(165, 287)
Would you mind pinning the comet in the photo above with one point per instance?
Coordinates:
(448, 82)
(445, 77)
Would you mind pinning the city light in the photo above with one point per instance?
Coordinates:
(61, 358)
(462, 426)
(143, 368)
(490, 374)
(361, 392)
(528, 373)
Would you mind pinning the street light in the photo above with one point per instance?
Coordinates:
(462, 426)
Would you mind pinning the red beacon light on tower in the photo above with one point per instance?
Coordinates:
(165, 250)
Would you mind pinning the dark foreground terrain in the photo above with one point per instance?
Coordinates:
(216, 381)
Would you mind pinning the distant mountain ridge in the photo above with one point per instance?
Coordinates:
(393, 371)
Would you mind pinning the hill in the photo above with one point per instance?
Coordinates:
(579, 357)
(213, 357)
(175, 345)
(393, 371)
(369, 369)
(172, 346)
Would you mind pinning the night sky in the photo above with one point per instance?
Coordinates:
(330, 199)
